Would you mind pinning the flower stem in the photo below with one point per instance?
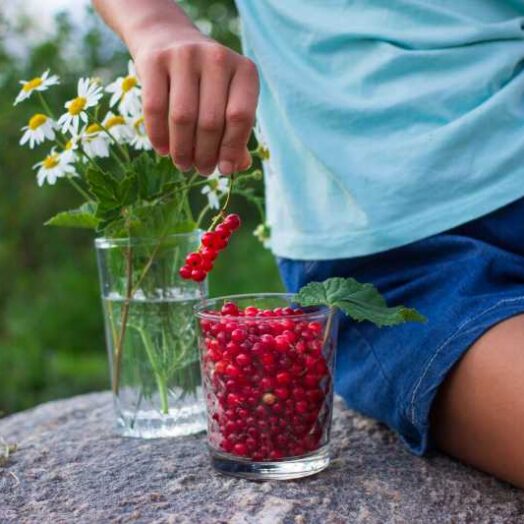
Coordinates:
(45, 105)
(117, 364)
(84, 193)
(123, 151)
(159, 376)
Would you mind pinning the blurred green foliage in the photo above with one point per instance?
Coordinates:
(51, 333)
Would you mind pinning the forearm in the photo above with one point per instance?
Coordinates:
(131, 18)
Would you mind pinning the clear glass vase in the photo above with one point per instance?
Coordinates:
(151, 336)
(267, 368)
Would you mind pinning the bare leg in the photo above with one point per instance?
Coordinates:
(478, 416)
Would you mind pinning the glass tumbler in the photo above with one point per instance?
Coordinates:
(267, 368)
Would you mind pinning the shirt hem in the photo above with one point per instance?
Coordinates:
(310, 246)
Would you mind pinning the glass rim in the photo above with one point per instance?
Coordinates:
(317, 313)
(107, 243)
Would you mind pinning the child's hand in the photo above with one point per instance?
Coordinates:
(199, 98)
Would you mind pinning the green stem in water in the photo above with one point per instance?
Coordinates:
(159, 376)
(117, 364)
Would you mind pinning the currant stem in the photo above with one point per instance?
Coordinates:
(329, 323)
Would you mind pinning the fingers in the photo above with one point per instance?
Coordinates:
(184, 103)
(214, 87)
(240, 115)
(199, 103)
(155, 100)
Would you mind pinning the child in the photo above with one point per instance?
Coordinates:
(397, 138)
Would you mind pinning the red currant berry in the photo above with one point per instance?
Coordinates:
(301, 407)
(267, 384)
(240, 449)
(251, 311)
(198, 275)
(194, 260)
(283, 378)
(243, 359)
(208, 253)
(232, 222)
(223, 232)
(206, 265)
(229, 309)
(239, 335)
(220, 367)
(185, 272)
(233, 400)
(282, 393)
(281, 343)
(208, 239)
(316, 327)
(233, 371)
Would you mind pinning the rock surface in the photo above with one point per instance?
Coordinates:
(70, 467)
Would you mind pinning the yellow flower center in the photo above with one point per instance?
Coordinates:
(51, 161)
(69, 145)
(93, 128)
(77, 105)
(128, 83)
(32, 84)
(36, 121)
(115, 121)
(138, 125)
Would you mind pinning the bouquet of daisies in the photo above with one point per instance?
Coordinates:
(129, 193)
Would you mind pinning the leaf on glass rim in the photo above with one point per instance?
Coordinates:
(82, 217)
(356, 300)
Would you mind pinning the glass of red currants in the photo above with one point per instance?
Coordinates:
(267, 369)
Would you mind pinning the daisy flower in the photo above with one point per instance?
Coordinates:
(216, 187)
(89, 93)
(37, 130)
(95, 141)
(54, 166)
(126, 92)
(119, 127)
(39, 83)
(140, 140)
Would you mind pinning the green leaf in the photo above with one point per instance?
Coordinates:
(83, 217)
(104, 187)
(356, 300)
(155, 176)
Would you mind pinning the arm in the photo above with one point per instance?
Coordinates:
(199, 97)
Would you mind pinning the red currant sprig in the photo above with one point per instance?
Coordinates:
(200, 263)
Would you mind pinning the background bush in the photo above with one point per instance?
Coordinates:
(51, 335)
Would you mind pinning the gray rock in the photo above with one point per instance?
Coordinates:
(70, 467)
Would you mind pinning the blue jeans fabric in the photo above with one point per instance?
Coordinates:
(464, 280)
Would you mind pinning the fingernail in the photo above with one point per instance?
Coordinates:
(226, 167)
(163, 151)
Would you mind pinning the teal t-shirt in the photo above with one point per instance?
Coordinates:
(388, 120)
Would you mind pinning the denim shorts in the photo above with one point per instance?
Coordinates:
(464, 281)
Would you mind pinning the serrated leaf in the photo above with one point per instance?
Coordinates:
(104, 187)
(83, 217)
(358, 301)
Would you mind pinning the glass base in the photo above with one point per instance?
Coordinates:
(152, 424)
(285, 469)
